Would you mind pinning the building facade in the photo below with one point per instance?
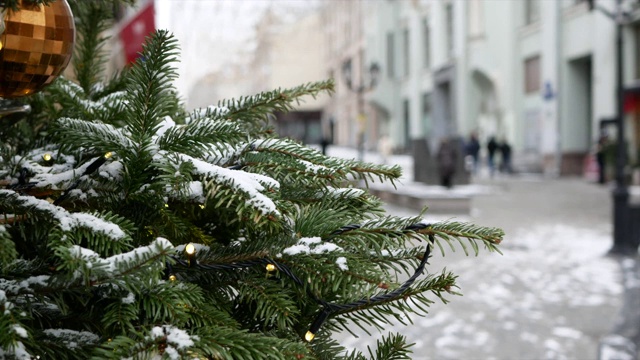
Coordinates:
(348, 120)
(289, 54)
(539, 75)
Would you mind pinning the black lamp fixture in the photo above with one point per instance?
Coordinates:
(365, 85)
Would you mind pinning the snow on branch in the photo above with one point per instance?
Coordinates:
(249, 183)
(66, 220)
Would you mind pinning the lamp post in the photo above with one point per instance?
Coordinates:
(363, 86)
(625, 230)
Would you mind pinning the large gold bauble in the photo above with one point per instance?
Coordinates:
(35, 47)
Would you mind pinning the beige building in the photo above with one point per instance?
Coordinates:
(351, 117)
(288, 55)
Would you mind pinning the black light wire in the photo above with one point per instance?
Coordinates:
(328, 309)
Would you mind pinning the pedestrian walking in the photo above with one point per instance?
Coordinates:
(492, 147)
(600, 154)
(472, 150)
(447, 157)
(505, 152)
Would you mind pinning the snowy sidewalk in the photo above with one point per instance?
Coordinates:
(553, 294)
(416, 195)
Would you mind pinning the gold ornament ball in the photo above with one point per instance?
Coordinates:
(35, 47)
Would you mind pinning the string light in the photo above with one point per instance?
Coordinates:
(201, 206)
(89, 170)
(172, 277)
(47, 159)
(317, 324)
(271, 267)
(190, 250)
(309, 336)
(328, 309)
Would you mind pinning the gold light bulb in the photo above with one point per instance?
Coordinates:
(172, 277)
(271, 267)
(309, 336)
(190, 249)
(46, 157)
(108, 155)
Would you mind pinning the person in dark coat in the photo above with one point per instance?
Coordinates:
(600, 154)
(505, 151)
(472, 149)
(492, 146)
(447, 157)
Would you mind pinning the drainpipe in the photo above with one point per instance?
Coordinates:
(559, 59)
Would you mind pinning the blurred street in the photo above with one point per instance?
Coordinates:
(553, 294)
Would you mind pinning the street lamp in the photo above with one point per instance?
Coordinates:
(625, 236)
(360, 89)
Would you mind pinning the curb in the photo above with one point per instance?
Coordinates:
(622, 342)
(454, 204)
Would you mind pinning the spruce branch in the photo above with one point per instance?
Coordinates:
(198, 137)
(101, 137)
(448, 231)
(254, 111)
(93, 18)
(391, 347)
(8, 251)
(150, 89)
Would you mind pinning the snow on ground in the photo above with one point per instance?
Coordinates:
(545, 298)
(553, 294)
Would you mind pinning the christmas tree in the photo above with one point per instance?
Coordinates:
(133, 228)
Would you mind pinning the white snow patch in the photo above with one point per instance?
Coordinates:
(313, 245)
(72, 338)
(70, 220)
(342, 263)
(250, 183)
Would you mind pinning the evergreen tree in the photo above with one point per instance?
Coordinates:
(132, 228)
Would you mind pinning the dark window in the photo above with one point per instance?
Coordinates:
(390, 57)
(532, 74)
(407, 122)
(449, 14)
(407, 52)
(531, 11)
(426, 111)
(426, 43)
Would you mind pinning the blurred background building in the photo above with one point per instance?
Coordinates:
(539, 75)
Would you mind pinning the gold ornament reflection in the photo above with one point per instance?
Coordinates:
(35, 47)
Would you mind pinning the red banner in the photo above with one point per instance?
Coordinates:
(134, 33)
(632, 102)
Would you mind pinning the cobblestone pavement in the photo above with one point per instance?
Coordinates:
(552, 294)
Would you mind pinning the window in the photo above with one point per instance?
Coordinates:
(390, 58)
(531, 11)
(532, 75)
(449, 15)
(426, 43)
(407, 52)
(426, 112)
(407, 122)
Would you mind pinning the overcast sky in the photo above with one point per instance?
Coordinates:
(215, 33)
